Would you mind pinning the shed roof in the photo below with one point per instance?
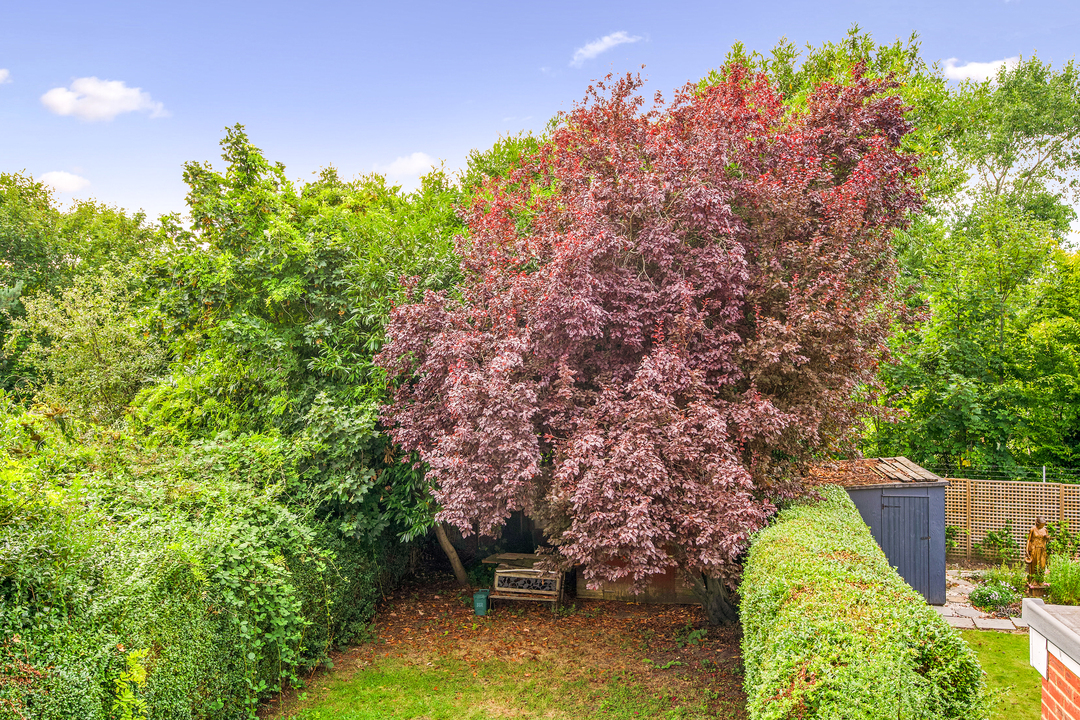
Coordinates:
(871, 471)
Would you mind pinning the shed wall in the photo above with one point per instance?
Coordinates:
(901, 547)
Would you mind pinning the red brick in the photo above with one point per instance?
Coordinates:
(1055, 668)
(1055, 692)
(1050, 706)
(1061, 689)
(1070, 711)
(1051, 697)
(1052, 712)
(1067, 687)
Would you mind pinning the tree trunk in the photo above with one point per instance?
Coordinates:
(455, 561)
(716, 599)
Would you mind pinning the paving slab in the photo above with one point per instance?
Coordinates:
(956, 598)
(944, 611)
(968, 612)
(962, 623)
(1019, 622)
(993, 624)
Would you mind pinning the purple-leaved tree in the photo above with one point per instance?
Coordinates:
(665, 314)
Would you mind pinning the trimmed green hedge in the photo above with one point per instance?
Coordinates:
(212, 614)
(831, 631)
(168, 583)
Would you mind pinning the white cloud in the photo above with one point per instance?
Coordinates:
(5, 76)
(64, 181)
(406, 171)
(92, 99)
(977, 70)
(591, 50)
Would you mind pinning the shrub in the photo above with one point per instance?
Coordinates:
(831, 631)
(1061, 540)
(172, 583)
(999, 545)
(90, 347)
(953, 537)
(993, 596)
(1012, 575)
(1063, 575)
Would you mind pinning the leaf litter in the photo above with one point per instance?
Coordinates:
(665, 650)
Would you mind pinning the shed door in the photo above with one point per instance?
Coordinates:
(905, 538)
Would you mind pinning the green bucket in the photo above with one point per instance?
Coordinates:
(480, 602)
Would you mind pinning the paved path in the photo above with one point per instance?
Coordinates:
(959, 613)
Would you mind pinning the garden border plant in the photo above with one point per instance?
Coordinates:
(165, 582)
(831, 630)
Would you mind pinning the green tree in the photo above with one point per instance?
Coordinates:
(44, 249)
(1046, 366)
(90, 347)
(275, 302)
(1020, 139)
(970, 383)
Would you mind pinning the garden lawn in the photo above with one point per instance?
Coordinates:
(433, 659)
(1016, 685)
(397, 689)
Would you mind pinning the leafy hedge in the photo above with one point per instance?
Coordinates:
(831, 631)
(165, 583)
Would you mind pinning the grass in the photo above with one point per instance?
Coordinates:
(451, 690)
(1015, 684)
(432, 659)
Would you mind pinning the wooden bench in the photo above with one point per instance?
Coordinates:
(516, 579)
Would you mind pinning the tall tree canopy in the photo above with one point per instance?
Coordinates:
(44, 249)
(273, 305)
(663, 314)
(974, 380)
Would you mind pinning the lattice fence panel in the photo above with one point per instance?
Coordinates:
(983, 506)
(956, 507)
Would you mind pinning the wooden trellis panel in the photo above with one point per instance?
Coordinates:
(981, 506)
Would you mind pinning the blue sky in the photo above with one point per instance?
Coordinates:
(108, 99)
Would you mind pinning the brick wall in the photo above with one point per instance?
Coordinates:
(1060, 691)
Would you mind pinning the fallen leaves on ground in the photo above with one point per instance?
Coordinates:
(431, 619)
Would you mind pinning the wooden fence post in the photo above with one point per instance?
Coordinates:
(1061, 503)
(967, 487)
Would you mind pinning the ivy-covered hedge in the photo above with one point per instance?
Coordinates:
(831, 631)
(166, 583)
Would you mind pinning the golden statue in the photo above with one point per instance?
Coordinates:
(1035, 552)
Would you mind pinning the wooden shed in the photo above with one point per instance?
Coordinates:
(904, 506)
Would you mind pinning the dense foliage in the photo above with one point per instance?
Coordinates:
(44, 249)
(196, 501)
(165, 583)
(991, 377)
(1063, 576)
(987, 378)
(831, 631)
(90, 349)
(276, 299)
(662, 314)
(273, 306)
(637, 327)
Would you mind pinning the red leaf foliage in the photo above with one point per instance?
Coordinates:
(665, 313)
